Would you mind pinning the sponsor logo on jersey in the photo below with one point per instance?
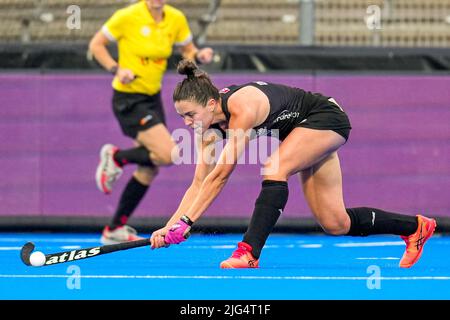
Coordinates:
(285, 115)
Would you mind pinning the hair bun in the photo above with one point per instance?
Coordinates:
(187, 67)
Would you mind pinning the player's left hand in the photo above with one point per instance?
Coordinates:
(205, 55)
(179, 231)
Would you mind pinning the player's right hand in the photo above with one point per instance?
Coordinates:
(157, 238)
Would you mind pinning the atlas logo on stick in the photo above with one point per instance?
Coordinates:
(38, 259)
(72, 255)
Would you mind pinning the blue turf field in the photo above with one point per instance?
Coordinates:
(293, 267)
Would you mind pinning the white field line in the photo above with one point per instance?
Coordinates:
(55, 276)
(369, 244)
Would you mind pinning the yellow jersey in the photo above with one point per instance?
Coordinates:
(144, 45)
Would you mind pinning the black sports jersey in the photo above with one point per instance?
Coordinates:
(289, 107)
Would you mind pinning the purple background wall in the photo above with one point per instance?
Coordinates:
(52, 128)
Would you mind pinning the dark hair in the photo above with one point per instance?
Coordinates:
(196, 87)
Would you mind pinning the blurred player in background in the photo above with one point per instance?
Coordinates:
(145, 33)
(312, 127)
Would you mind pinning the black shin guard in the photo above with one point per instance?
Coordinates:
(367, 221)
(129, 200)
(268, 208)
(138, 155)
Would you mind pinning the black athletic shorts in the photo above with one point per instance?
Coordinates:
(137, 112)
(327, 116)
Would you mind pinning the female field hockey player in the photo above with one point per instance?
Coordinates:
(145, 33)
(312, 128)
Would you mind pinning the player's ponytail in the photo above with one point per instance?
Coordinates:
(197, 85)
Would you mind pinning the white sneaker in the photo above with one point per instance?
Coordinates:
(107, 170)
(118, 235)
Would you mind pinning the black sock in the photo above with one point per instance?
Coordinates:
(268, 208)
(138, 155)
(129, 200)
(367, 221)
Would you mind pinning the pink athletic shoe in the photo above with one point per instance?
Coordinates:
(241, 258)
(416, 241)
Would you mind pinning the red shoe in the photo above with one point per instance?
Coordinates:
(416, 241)
(241, 258)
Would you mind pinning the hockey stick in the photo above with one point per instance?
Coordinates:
(67, 256)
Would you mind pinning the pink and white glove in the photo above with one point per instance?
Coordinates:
(179, 232)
